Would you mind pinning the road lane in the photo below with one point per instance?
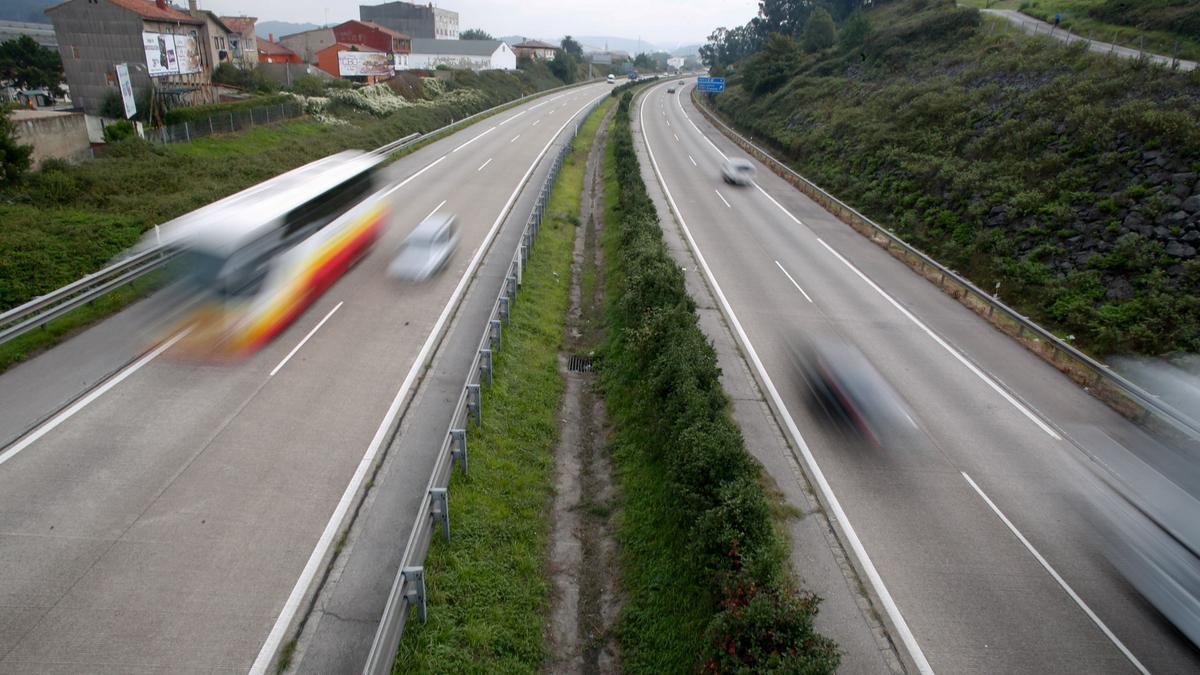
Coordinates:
(960, 577)
(163, 526)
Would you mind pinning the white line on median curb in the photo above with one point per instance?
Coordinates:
(839, 515)
(1061, 582)
(82, 403)
(306, 337)
(292, 605)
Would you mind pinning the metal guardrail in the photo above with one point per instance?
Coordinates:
(42, 309)
(1098, 379)
(408, 588)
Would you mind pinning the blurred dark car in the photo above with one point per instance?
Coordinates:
(850, 390)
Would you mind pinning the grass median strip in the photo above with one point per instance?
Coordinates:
(703, 563)
(487, 593)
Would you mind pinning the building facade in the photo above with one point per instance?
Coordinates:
(270, 51)
(42, 33)
(428, 54)
(218, 38)
(95, 35)
(419, 21)
(374, 36)
(535, 49)
(307, 43)
(242, 40)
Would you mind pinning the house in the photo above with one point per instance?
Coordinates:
(160, 44)
(374, 36)
(270, 51)
(428, 54)
(535, 49)
(242, 40)
(218, 38)
(419, 21)
(308, 43)
(351, 60)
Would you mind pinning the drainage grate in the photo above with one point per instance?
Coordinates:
(579, 363)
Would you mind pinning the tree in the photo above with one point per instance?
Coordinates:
(819, 31)
(772, 66)
(14, 157)
(564, 66)
(571, 46)
(28, 65)
(785, 16)
(643, 61)
(855, 31)
(475, 34)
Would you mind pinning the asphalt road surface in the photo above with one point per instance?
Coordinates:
(163, 523)
(976, 522)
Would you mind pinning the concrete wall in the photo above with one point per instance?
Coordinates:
(502, 59)
(308, 43)
(55, 134)
(419, 21)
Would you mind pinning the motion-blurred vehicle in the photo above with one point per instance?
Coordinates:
(849, 389)
(1149, 511)
(252, 262)
(737, 171)
(611, 79)
(681, 82)
(427, 249)
(670, 90)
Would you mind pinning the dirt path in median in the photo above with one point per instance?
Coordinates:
(582, 554)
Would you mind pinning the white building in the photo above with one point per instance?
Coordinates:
(429, 53)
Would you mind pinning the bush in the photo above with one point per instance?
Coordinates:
(662, 387)
(14, 157)
(118, 131)
(309, 85)
(819, 31)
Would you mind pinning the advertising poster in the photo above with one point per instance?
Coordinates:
(188, 54)
(126, 90)
(364, 63)
(161, 57)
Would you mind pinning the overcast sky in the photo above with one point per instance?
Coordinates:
(658, 21)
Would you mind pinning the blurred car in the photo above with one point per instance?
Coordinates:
(427, 249)
(737, 171)
(611, 79)
(850, 390)
(670, 90)
(681, 82)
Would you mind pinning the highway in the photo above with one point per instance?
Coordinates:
(976, 522)
(172, 519)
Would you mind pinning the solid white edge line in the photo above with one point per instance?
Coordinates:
(306, 337)
(49, 425)
(722, 198)
(474, 139)
(292, 605)
(945, 345)
(479, 169)
(1055, 575)
(839, 515)
(785, 273)
(435, 209)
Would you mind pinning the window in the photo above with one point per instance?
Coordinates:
(324, 209)
(74, 52)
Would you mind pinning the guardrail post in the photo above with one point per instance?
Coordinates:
(495, 333)
(475, 404)
(439, 508)
(458, 448)
(511, 288)
(415, 577)
(485, 364)
(504, 305)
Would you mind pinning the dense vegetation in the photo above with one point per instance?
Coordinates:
(63, 221)
(1067, 180)
(704, 570)
(1170, 27)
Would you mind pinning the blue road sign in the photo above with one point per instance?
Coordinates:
(713, 84)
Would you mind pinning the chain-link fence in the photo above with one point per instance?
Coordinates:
(224, 122)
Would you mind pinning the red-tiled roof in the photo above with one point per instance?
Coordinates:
(536, 44)
(348, 47)
(240, 24)
(149, 10)
(267, 47)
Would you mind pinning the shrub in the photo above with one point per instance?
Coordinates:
(118, 131)
(819, 31)
(308, 85)
(14, 157)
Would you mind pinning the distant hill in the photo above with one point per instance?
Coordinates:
(26, 10)
(686, 50)
(281, 28)
(595, 43)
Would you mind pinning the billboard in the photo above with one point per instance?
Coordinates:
(602, 58)
(352, 64)
(126, 90)
(676, 62)
(160, 54)
(188, 54)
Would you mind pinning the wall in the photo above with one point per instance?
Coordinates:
(417, 22)
(52, 134)
(308, 43)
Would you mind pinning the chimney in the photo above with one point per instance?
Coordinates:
(161, 4)
(192, 6)
(270, 37)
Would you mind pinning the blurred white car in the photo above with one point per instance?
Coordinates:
(427, 249)
(737, 171)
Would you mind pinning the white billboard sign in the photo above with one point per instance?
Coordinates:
(126, 90)
(188, 54)
(357, 64)
(676, 62)
(160, 54)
